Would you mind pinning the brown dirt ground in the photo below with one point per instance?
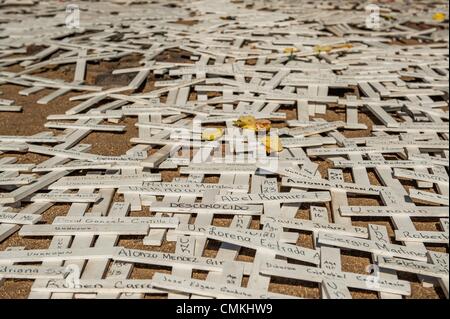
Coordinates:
(33, 117)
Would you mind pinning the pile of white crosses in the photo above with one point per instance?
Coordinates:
(277, 118)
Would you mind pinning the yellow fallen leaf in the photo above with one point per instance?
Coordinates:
(343, 46)
(323, 48)
(249, 122)
(246, 122)
(439, 16)
(290, 50)
(272, 143)
(263, 125)
(328, 48)
(212, 134)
